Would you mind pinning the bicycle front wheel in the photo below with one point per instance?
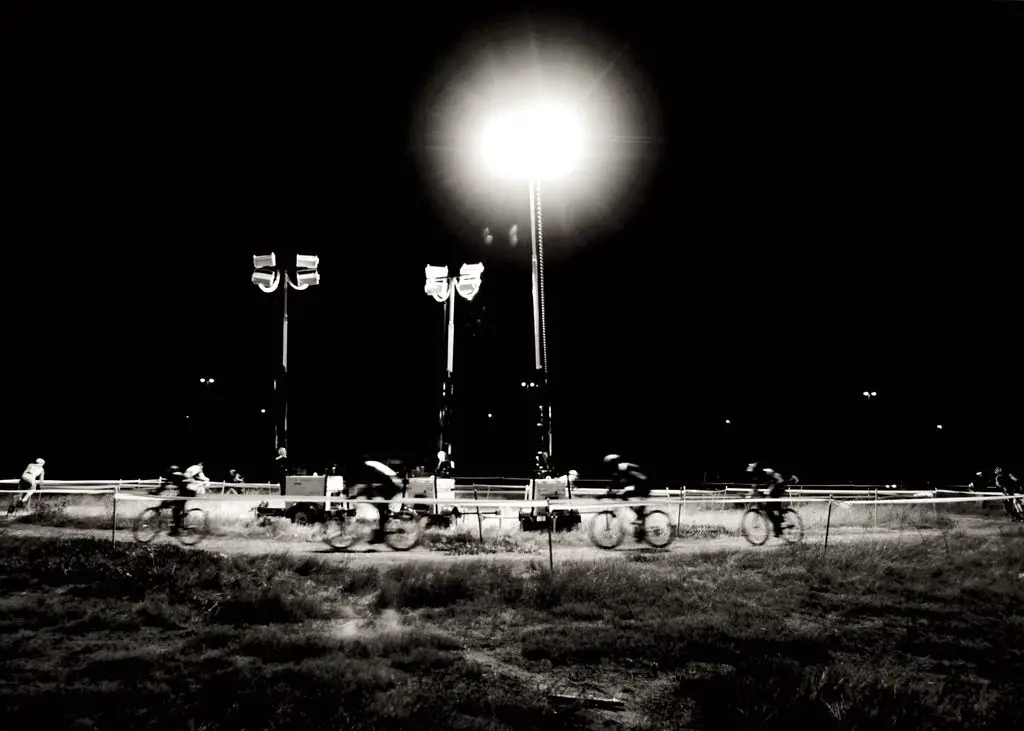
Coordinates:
(792, 526)
(148, 524)
(403, 530)
(606, 530)
(194, 527)
(755, 527)
(658, 530)
(341, 532)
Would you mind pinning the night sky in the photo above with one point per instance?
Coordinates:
(821, 206)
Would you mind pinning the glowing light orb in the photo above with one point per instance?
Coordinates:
(543, 141)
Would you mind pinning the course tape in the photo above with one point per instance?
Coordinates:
(558, 503)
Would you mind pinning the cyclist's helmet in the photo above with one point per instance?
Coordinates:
(752, 466)
(40, 461)
(610, 458)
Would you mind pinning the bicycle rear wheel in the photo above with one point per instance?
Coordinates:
(341, 531)
(148, 524)
(755, 527)
(194, 527)
(658, 530)
(792, 526)
(403, 530)
(606, 530)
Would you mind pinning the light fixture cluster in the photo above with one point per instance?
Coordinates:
(267, 276)
(438, 284)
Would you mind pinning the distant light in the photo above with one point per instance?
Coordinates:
(490, 416)
(202, 380)
(263, 411)
(523, 384)
(532, 384)
(873, 393)
(938, 426)
(211, 380)
(727, 421)
(186, 416)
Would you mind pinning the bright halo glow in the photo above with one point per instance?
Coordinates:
(543, 141)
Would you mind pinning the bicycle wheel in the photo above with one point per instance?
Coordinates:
(755, 527)
(606, 530)
(403, 530)
(341, 531)
(658, 530)
(193, 527)
(148, 524)
(792, 526)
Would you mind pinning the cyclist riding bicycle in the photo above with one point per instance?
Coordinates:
(174, 479)
(373, 479)
(629, 481)
(777, 488)
(1010, 486)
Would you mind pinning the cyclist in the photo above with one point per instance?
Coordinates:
(627, 478)
(195, 475)
(1009, 485)
(31, 480)
(174, 479)
(373, 479)
(777, 488)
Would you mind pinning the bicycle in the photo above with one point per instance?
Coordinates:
(402, 529)
(757, 527)
(607, 530)
(153, 521)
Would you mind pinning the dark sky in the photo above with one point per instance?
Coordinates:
(829, 205)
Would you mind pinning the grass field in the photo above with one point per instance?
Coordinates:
(926, 634)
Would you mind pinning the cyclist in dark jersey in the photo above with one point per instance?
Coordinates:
(373, 479)
(772, 479)
(630, 482)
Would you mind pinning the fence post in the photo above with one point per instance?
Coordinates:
(479, 518)
(113, 514)
(551, 550)
(876, 508)
(828, 525)
(679, 511)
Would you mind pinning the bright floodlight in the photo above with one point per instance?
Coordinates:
(267, 261)
(267, 281)
(306, 279)
(873, 393)
(541, 142)
(306, 261)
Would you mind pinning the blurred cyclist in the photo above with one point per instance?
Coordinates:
(1009, 485)
(174, 480)
(373, 479)
(772, 479)
(630, 482)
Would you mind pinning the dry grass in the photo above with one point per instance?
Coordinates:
(921, 634)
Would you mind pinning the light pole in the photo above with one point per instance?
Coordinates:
(269, 277)
(540, 142)
(443, 288)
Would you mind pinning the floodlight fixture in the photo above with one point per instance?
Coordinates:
(306, 261)
(304, 280)
(541, 142)
(468, 282)
(266, 261)
(437, 283)
(267, 281)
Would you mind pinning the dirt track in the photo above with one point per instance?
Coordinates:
(363, 554)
